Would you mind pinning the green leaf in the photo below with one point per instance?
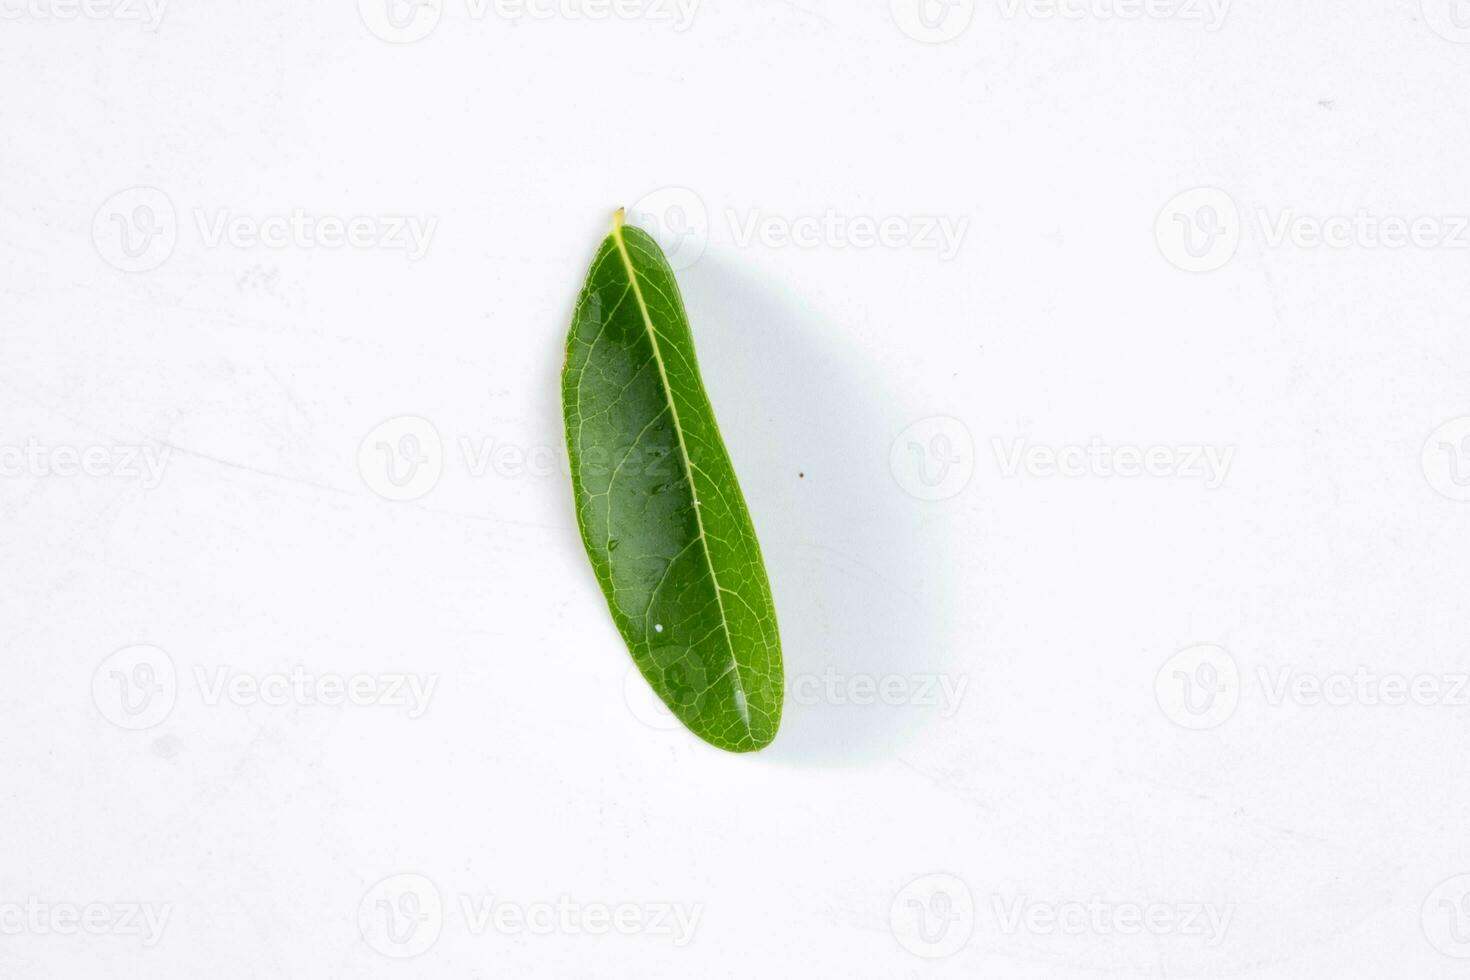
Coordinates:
(661, 515)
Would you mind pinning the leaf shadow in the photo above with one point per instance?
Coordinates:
(861, 578)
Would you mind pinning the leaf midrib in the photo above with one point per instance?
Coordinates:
(741, 702)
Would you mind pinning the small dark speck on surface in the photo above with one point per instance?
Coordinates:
(1327, 103)
(801, 476)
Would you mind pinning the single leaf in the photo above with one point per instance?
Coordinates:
(661, 515)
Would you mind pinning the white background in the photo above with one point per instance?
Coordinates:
(1083, 758)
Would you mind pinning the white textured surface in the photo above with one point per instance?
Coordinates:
(1042, 611)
